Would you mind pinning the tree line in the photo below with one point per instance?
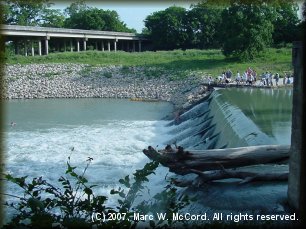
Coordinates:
(76, 16)
(240, 28)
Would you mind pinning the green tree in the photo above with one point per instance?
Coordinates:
(75, 7)
(203, 23)
(80, 16)
(31, 13)
(286, 22)
(247, 29)
(301, 25)
(53, 18)
(167, 28)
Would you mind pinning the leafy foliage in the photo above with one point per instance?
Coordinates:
(77, 16)
(73, 203)
(203, 25)
(285, 22)
(31, 13)
(53, 18)
(81, 16)
(242, 28)
(167, 28)
(247, 29)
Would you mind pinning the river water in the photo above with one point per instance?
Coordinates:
(114, 133)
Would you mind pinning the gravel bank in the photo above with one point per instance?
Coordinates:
(36, 81)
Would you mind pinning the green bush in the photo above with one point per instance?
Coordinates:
(108, 74)
(86, 72)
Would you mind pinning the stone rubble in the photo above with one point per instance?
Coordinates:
(36, 81)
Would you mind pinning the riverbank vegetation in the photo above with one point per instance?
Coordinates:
(211, 62)
(72, 203)
(240, 29)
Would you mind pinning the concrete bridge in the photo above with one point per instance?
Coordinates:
(41, 40)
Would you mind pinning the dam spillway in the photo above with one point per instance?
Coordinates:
(46, 130)
(230, 118)
(235, 117)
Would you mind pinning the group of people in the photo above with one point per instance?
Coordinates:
(250, 77)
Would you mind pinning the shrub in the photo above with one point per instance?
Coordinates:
(86, 71)
(108, 74)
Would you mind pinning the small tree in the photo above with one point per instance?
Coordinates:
(246, 29)
(167, 28)
(81, 16)
(285, 22)
(203, 21)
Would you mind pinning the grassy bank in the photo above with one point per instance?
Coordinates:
(207, 61)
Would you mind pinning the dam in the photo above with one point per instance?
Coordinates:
(230, 118)
(46, 130)
(236, 117)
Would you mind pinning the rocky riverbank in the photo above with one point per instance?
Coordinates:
(36, 81)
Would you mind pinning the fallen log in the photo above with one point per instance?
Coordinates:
(245, 177)
(181, 162)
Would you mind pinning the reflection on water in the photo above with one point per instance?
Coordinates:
(269, 109)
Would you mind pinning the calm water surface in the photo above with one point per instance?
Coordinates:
(269, 109)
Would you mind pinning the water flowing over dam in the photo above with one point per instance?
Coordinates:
(235, 118)
(46, 130)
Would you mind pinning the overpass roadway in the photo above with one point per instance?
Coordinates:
(30, 38)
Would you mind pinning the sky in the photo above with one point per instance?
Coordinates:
(132, 13)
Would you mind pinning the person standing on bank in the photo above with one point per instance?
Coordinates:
(276, 77)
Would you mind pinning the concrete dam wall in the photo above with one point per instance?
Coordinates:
(234, 118)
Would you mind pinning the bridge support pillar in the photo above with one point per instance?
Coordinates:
(39, 47)
(96, 43)
(25, 48)
(133, 46)
(32, 48)
(65, 47)
(128, 46)
(71, 46)
(296, 182)
(102, 45)
(115, 45)
(108, 46)
(84, 44)
(78, 45)
(139, 46)
(47, 45)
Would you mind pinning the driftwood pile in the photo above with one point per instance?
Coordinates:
(218, 164)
